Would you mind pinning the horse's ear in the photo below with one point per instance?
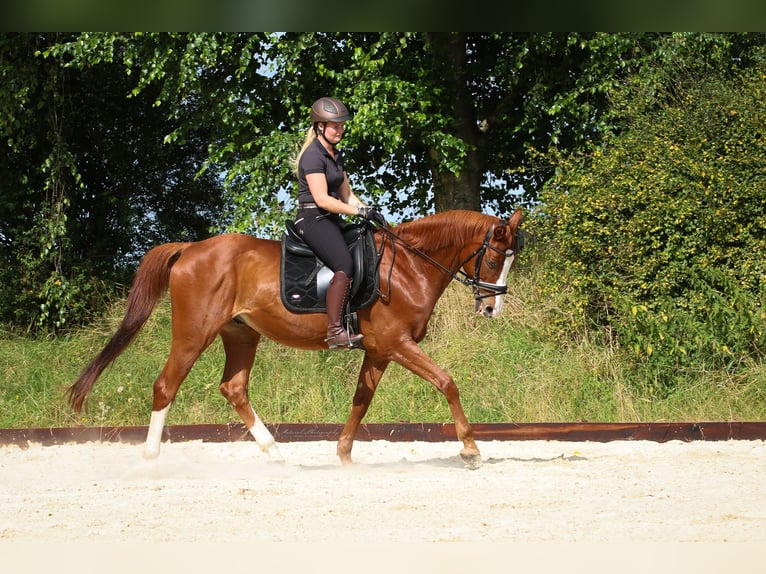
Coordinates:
(515, 220)
(513, 224)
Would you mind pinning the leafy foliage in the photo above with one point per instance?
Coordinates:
(442, 120)
(118, 141)
(658, 237)
(87, 185)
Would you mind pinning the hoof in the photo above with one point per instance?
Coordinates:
(273, 453)
(345, 461)
(151, 454)
(472, 460)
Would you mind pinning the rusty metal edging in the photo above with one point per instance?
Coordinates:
(431, 432)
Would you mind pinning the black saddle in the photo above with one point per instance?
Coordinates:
(304, 278)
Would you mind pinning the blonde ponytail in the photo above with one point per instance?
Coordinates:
(309, 139)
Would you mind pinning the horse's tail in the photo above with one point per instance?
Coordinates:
(149, 285)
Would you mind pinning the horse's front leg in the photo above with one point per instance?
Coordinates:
(369, 377)
(412, 357)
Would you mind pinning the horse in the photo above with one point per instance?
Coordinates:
(228, 286)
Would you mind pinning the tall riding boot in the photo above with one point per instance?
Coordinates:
(337, 296)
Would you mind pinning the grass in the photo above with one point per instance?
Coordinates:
(505, 368)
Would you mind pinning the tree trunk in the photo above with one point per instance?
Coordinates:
(461, 191)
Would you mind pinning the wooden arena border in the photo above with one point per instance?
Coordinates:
(431, 432)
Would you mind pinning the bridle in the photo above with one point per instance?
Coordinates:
(477, 285)
(461, 276)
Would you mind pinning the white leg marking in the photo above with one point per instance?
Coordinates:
(264, 438)
(154, 434)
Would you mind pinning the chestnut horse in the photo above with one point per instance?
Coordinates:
(228, 286)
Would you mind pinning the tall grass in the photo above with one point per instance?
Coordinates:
(506, 369)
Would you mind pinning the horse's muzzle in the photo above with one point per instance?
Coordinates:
(489, 307)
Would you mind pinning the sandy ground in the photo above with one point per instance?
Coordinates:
(536, 506)
(531, 491)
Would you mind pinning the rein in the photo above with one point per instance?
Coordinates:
(466, 280)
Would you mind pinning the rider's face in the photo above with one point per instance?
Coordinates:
(333, 131)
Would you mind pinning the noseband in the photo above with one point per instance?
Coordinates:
(474, 282)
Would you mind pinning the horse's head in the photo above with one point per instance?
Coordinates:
(492, 263)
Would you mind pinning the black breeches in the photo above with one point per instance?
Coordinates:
(322, 233)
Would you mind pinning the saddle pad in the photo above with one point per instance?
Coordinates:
(304, 278)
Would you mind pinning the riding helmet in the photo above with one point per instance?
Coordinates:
(329, 110)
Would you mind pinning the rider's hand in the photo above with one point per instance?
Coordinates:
(372, 214)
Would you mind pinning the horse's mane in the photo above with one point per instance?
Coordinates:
(443, 230)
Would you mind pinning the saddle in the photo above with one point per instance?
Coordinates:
(304, 278)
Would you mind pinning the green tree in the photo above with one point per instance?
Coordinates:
(87, 184)
(442, 120)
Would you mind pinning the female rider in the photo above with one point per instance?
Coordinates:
(323, 194)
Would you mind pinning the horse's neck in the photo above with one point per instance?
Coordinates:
(437, 238)
(429, 257)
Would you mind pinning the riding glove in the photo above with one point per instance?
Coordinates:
(372, 214)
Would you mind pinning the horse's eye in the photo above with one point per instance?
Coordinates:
(492, 264)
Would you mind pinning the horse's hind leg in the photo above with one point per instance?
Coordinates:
(182, 357)
(240, 344)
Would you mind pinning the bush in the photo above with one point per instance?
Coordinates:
(657, 238)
